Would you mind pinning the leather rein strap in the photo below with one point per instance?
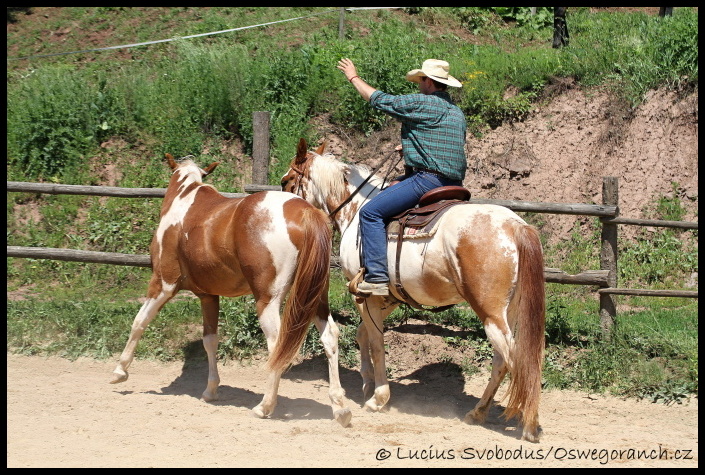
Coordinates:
(299, 178)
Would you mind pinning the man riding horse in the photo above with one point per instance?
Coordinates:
(433, 146)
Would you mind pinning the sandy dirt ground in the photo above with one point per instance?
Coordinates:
(66, 414)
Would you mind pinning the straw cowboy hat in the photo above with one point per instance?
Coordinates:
(437, 70)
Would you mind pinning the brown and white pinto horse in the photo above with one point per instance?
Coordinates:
(483, 254)
(267, 244)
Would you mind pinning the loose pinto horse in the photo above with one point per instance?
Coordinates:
(483, 254)
(267, 244)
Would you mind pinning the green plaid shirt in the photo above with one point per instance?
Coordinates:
(432, 130)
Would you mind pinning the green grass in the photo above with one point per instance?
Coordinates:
(652, 353)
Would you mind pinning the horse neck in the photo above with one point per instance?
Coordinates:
(348, 216)
(332, 183)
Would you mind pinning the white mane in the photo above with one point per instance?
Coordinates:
(187, 168)
(189, 171)
(330, 176)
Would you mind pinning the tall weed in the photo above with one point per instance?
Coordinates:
(660, 257)
(55, 119)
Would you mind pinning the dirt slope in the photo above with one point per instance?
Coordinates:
(561, 153)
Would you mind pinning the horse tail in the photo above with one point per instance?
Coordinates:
(527, 358)
(309, 290)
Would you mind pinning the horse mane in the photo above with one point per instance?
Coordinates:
(332, 176)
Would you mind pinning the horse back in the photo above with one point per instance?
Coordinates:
(225, 246)
(469, 243)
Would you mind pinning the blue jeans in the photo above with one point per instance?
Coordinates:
(376, 213)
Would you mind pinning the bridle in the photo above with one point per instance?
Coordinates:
(300, 174)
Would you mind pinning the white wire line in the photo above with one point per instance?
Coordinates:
(171, 39)
(196, 36)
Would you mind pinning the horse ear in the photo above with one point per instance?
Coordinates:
(171, 161)
(210, 168)
(301, 152)
(322, 147)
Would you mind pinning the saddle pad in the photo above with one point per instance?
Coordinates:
(419, 222)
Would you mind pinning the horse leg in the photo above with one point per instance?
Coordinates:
(501, 341)
(210, 306)
(499, 370)
(155, 301)
(373, 311)
(366, 367)
(270, 322)
(329, 338)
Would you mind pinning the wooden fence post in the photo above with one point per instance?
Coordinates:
(341, 24)
(608, 256)
(260, 147)
(560, 27)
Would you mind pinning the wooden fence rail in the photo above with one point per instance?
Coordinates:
(74, 255)
(604, 278)
(54, 189)
(606, 213)
(590, 277)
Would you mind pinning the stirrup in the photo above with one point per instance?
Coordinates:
(352, 285)
(373, 288)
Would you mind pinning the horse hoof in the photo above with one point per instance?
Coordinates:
(371, 406)
(258, 412)
(209, 397)
(119, 377)
(343, 416)
(474, 419)
(532, 435)
(368, 391)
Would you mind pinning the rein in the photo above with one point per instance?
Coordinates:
(364, 182)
